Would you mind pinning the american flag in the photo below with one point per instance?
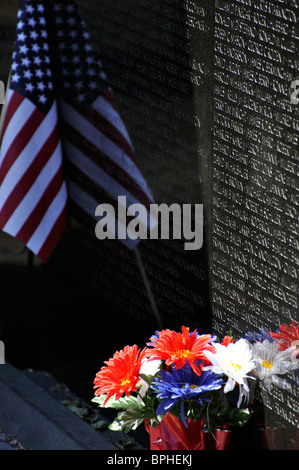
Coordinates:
(65, 148)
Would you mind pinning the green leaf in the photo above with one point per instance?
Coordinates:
(125, 444)
(75, 407)
(127, 420)
(133, 416)
(121, 404)
(115, 426)
(99, 425)
(232, 416)
(81, 412)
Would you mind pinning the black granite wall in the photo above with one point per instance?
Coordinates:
(205, 90)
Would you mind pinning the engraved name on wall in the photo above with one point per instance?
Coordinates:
(255, 171)
(163, 92)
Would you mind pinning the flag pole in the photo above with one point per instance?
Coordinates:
(147, 287)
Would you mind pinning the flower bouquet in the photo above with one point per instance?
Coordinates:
(188, 389)
(276, 354)
(179, 387)
(277, 365)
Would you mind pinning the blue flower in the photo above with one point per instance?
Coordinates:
(262, 335)
(183, 385)
(154, 337)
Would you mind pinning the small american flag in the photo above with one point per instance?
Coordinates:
(33, 192)
(65, 148)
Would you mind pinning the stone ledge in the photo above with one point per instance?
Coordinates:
(38, 421)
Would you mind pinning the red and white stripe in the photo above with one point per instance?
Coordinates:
(102, 162)
(33, 194)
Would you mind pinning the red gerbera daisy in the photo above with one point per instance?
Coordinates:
(177, 348)
(287, 334)
(227, 340)
(121, 373)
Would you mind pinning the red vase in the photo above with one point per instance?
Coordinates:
(172, 434)
(218, 439)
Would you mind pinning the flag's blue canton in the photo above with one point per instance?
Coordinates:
(54, 53)
(31, 73)
(77, 67)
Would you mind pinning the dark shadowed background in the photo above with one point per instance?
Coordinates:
(204, 88)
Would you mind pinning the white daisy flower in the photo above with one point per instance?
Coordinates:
(235, 361)
(271, 362)
(149, 368)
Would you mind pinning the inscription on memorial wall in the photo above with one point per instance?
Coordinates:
(165, 97)
(204, 89)
(255, 172)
